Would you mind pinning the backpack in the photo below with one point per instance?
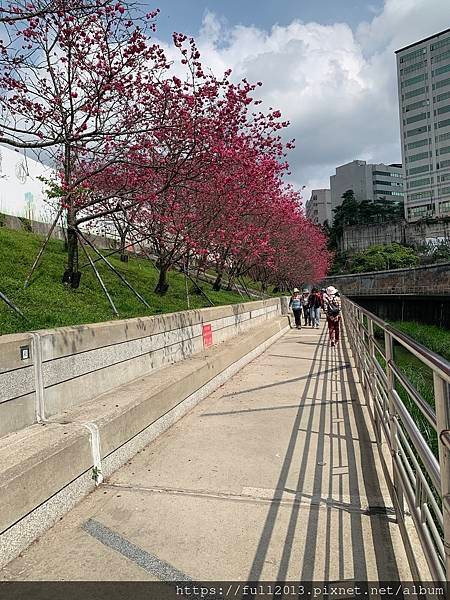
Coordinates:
(333, 309)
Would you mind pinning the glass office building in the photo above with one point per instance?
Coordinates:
(423, 70)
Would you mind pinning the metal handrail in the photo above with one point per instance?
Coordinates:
(415, 474)
(430, 358)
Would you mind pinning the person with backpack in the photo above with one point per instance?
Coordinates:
(315, 303)
(296, 304)
(332, 308)
(305, 305)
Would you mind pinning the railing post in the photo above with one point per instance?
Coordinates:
(373, 380)
(398, 491)
(442, 401)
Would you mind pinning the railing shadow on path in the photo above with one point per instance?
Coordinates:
(328, 502)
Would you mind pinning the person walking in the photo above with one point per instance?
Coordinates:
(332, 308)
(315, 303)
(296, 304)
(305, 305)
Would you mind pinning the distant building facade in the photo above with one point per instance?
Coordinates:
(368, 182)
(318, 207)
(21, 190)
(423, 71)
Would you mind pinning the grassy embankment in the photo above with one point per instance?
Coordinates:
(47, 303)
(421, 376)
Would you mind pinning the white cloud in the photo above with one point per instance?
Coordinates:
(338, 87)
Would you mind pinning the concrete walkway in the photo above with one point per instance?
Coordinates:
(274, 477)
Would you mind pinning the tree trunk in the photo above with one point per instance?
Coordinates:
(123, 243)
(162, 286)
(218, 282)
(72, 274)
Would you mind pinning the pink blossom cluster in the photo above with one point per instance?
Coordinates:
(192, 164)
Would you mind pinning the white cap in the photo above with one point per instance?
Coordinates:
(296, 289)
(331, 290)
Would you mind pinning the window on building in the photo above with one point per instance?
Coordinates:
(441, 70)
(442, 137)
(442, 110)
(415, 105)
(419, 182)
(413, 55)
(444, 150)
(416, 118)
(419, 144)
(444, 206)
(388, 193)
(445, 177)
(414, 80)
(441, 84)
(420, 195)
(414, 93)
(441, 97)
(419, 211)
(444, 123)
(419, 156)
(440, 57)
(444, 191)
(443, 164)
(421, 169)
(441, 44)
(416, 131)
(414, 67)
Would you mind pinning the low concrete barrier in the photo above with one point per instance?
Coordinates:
(46, 372)
(46, 468)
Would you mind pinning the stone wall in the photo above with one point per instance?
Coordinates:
(431, 279)
(360, 237)
(23, 224)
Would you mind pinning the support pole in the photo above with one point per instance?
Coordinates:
(394, 449)
(12, 305)
(442, 401)
(119, 275)
(186, 274)
(41, 251)
(100, 280)
(197, 286)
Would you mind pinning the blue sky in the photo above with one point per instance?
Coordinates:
(186, 15)
(328, 65)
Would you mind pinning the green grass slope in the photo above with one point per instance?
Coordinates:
(48, 303)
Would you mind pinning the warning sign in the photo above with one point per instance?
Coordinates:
(207, 336)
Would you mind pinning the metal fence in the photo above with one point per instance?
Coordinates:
(419, 479)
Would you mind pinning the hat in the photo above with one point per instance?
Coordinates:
(296, 290)
(331, 290)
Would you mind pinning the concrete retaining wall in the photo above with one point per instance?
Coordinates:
(70, 366)
(360, 237)
(46, 469)
(419, 280)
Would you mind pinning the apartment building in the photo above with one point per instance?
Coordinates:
(318, 207)
(423, 71)
(368, 182)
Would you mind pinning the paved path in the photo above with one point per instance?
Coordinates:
(275, 476)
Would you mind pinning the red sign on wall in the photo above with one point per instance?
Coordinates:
(207, 336)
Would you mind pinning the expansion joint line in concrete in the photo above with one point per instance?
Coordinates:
(96, 452)
(38, 378)
(266, 497)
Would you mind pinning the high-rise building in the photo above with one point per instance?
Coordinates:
(368, 182)
(423, 71)
(318, 207)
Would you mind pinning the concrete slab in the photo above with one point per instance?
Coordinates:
(274, 476)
